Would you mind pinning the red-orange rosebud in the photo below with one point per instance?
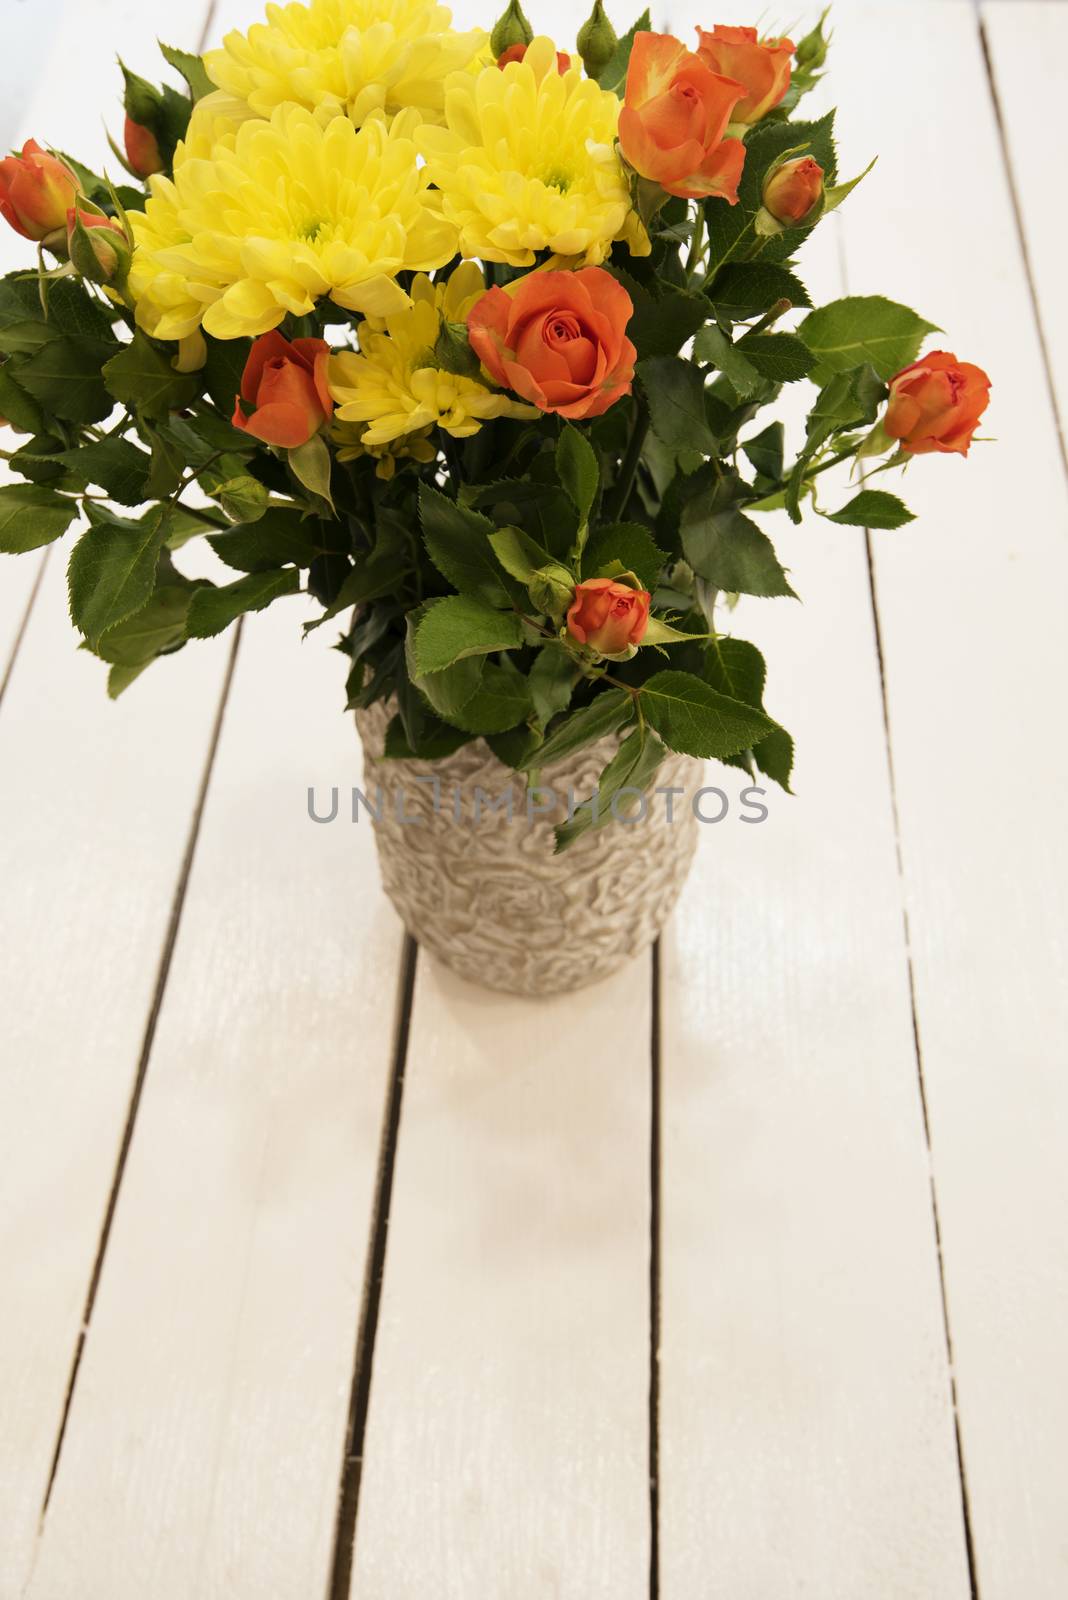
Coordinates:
(97, 246)
(142, 149)
(36, 192)
(284, 390)
(516, 52)
(761, 65)
(674, 117)
(936, 403)
(793, 190)
(558, 340)
(608, 616)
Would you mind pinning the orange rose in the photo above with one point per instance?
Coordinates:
(936, 404)
(761, 65)
(608, 616)
(142, 149)
(516, 52)
(36, 192)
(284, 395)
(558, 340)
(793, 190)
(675, 113)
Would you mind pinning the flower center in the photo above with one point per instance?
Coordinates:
(555, 179)
(561, 328)
(310, 230)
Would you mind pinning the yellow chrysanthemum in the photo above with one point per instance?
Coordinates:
(526, 162)
(393, 388)
(283, 213)
(350, 439)
(352, 56)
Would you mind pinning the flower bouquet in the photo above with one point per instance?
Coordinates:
(468, 339)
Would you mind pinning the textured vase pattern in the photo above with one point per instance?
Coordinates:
(491, 899)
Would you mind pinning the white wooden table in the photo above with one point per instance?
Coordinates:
(740, 1276)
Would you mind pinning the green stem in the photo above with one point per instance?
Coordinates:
(620, 492)
(696, 243)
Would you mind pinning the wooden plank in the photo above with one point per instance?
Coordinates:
(976, 658)
(807, 1442)
(1028, 42)
(506, 1449)
(203, 1451)
(95, 809)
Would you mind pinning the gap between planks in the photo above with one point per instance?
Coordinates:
(162, 974)
(1021, 233)
(340, 1580)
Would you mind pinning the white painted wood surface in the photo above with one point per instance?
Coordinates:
(203, 1451)
(971, 602)
(806, 1439)
(507, 1445)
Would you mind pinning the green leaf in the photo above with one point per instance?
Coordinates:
(437, 740)
(661, 327)
(552, 679)
(25, 325)
(745, 287)
(628, 543)
(277, 539)
(501, 700)
(191, 68)
(697, 720)
(657, 631)
(121, 677)
(112, 570)
(212, 610)
(632, 767)
(64, 375)
(605, 713)
(142, 378)
(765, 451)
(115, 465)
(158, 626)
(223, 369)
(576, 467)
(675, 390)
(863, 329)
(712, 345)
(874, 508)
(458, 543)
(167, 469)
(774, 755)
(32, 515)
(832, 198)
(779, 357)
(735, 667)
(521, 556)
(18, 405)
(730, 552)
(184, 524)
(614, 75)
(460, 626)
(310, 465)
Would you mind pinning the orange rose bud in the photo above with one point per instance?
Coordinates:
(516, 52)
(558, 340)
(608, 616)
(674, 117)
(936, 404)
(36, 192)
(142, 149)
(761, 65)
(98, 247)
(284, 390)
(793, 190)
